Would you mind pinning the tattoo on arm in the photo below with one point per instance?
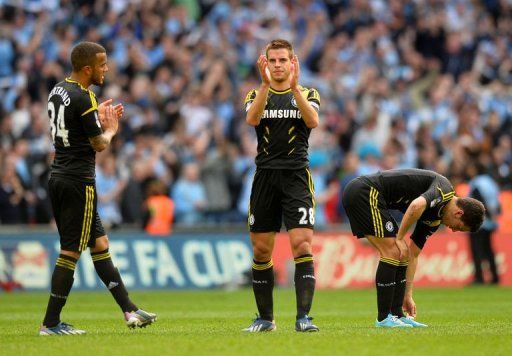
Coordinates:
(100, 142)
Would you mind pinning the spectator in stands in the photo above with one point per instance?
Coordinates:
(189, 196)
(401, 72)
(158, 210)
(483, 187)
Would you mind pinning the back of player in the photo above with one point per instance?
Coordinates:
(77, 135)
(73, 113)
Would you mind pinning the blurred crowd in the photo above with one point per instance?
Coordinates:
(403, 83)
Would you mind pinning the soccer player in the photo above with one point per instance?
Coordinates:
(80, 128)
(428, 200)
(283, 114)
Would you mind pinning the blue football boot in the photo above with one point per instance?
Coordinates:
(410, 320)
(391, 322)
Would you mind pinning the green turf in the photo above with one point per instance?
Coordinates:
(468, 321)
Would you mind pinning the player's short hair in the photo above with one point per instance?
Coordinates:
(84, 54)
(474, 213)
(279, 43)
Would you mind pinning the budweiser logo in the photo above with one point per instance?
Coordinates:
(341, 261)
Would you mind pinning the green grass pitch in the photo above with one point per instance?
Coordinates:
(465, 321)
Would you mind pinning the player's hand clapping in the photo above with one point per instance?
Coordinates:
(109, 120)
(294, 73)
(263, 68)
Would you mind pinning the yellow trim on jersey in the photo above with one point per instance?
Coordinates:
(262, 267)
(291, 130)
(267, 130)
(100, 257)
(69, 80)
(376, 217)
(86, 223)
(291, 151)
(404, 263)
(390, 261)
(293, 138)
(315, 95)
(280, 92)
(446, 196)
(248, 97)
(303, 259)
(94, 104)
(311, 187)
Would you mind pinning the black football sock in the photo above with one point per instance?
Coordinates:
(304, 284)
(112, 279)
(398, 297)
(385, 282)
(62, 281)
(263, 286)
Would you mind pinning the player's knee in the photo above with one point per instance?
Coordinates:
(101, 244)
(390, 252)
(301, 248)
(262, 252)
(75, 255)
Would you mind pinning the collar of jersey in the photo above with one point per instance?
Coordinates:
(280, 92)
(69, 80)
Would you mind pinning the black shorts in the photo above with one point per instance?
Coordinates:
(74, 208)
(278, 193)
(367, 211)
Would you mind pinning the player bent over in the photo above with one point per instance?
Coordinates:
(428, 200)
(80, 128)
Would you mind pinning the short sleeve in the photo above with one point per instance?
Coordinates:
(314, 99)
(439, 192)
(89, 115)
(423, 230)
(249, 98)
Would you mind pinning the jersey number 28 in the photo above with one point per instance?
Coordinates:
(58, 127)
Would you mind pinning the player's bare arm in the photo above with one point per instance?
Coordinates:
(255, 112)
(409, 305)
(412, 214)
(110, 124)
(309, 114)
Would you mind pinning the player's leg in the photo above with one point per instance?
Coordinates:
(263, 278)
(71, 204)
(264, 221)
(368, 217)
(300, 240)
(111, 277)
(299, 217)
(385, 277)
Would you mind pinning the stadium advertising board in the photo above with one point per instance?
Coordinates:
(343, 261)
(211, 261)
(182, 261)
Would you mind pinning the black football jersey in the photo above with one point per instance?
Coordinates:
(400, 187)
(73, 113)
(282, 134)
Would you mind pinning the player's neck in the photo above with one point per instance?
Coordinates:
(280, 86)
(86, 83)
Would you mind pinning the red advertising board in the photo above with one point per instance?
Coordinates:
(342, 261)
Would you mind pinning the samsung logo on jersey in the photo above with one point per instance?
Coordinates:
(60, 91)
(281, 114)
